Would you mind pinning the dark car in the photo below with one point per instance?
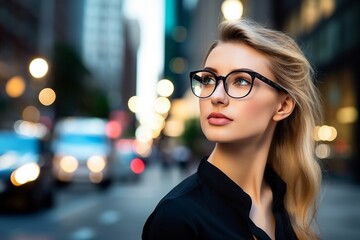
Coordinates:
(25, 173)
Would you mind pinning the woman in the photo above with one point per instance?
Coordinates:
(261, 180)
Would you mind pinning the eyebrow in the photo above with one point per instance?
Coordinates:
(210, 69)
(236, 69)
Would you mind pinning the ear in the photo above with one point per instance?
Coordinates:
(285, 107)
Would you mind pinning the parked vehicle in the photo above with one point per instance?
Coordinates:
(128, 163)
(82, 151)
(26, 181)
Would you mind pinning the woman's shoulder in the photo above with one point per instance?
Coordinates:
(175, 211)
(184, 188)
(182, 200)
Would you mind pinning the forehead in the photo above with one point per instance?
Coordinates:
(227, 56)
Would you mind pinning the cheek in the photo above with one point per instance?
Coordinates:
(202, 110)
(256, 112)
(202, 106)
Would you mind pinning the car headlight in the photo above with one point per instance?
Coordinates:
(26, 173)
(96, 163)
(69, 164)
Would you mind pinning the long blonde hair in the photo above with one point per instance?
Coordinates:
(292, 151)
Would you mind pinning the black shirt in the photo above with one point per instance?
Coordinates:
(209, 205)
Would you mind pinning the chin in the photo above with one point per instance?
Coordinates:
(217, 136)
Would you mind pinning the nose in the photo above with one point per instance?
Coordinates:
(219, 96)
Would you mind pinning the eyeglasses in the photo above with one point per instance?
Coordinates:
(237, 84)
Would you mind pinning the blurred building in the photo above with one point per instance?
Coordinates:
(91, 49)
(328, 33)
(107, 43)
(103, 44)
(21, 29)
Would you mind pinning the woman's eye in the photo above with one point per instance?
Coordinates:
(241, 82)
(208, 80)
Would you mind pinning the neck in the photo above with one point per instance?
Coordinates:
(244, 163)
(244, 171)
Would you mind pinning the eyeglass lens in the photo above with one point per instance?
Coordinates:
(237, 84)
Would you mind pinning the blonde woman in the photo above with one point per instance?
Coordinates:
(258, 103)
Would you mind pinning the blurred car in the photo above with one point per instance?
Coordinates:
(128, 163)
(26, 182)
(82, 151)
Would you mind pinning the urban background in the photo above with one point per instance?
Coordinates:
(97, 121)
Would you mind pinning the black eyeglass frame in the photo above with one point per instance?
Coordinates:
(253, 75)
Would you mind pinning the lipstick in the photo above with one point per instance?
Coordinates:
(218, 119)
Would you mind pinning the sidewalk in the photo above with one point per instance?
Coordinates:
(339, 212)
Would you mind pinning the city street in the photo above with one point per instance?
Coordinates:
(339, 213)
(102, 90)
(83, 212)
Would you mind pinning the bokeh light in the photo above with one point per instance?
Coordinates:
(38, 68)
(31, 114)
(47, 96)
(137, 166)
(31, 129)
(69, 164)
(165, 88)
(323, 151)
(174, 128)
(114, 129)
(179, 34)
(162, 105)
(325, 133)
(347, 115)
(178, 65)
(134, 104)
(96, 163)
(15, 87)
(232, 9)
(143, 134)
(26, 173)
(144, 149)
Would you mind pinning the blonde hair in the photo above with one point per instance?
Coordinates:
(292, 151)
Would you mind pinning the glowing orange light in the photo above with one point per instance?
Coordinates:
(15, 87)
(47, 96)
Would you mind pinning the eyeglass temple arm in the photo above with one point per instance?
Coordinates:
(271, 83)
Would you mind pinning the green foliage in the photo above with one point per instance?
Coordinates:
(194, 138)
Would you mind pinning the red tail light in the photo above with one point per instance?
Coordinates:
(137, 166)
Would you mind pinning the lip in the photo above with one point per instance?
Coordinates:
(218, 119)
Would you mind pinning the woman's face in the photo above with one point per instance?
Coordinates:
(225, 119)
